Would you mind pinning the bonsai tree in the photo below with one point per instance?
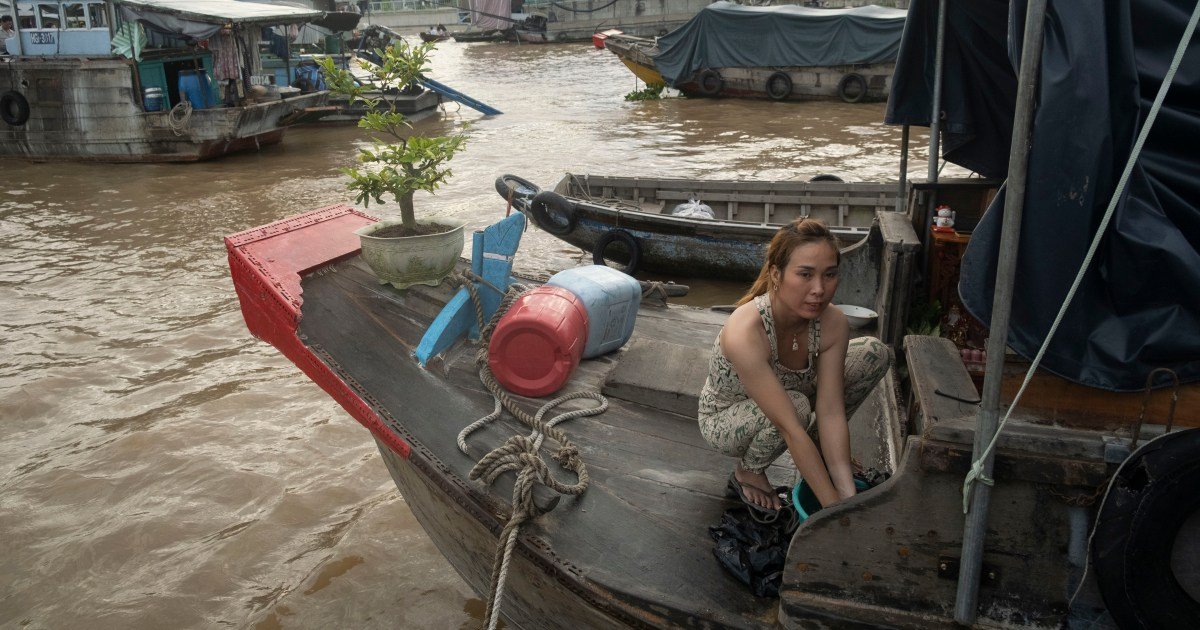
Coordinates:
(399, 163)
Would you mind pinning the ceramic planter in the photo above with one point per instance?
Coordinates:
(403, 261)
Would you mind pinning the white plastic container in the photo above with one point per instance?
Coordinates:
(611, 298)
(153, 99)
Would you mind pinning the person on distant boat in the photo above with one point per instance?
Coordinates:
(784, 374)
(6, 31)
(441, 30)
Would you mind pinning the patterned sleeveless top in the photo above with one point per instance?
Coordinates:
(722, 388)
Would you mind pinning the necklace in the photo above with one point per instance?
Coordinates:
(795, 344)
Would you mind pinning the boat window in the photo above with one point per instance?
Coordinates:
(97, 15)
(47, 16)
(25, 17)
(73, 15)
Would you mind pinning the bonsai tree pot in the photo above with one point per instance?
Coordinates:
(403, 261)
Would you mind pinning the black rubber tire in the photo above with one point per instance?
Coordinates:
(519, 196)
(1143, 514)
(825, 177)
(553, 212)
(779, 86)
(626, 239)
(852, 88)
(14, 109)
(709, 82)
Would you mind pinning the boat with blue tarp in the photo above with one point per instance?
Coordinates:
(785, 52)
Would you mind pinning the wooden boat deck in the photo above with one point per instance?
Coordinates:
(639, 534)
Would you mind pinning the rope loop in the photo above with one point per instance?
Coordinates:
(520, 453)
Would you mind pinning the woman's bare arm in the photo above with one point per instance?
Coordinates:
(831, 401)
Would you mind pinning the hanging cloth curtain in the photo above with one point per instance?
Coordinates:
(225, 56)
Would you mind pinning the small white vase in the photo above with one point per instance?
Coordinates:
(403, 261)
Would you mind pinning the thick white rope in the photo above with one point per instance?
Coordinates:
(976, 472)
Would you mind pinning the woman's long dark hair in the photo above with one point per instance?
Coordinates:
(795, 234)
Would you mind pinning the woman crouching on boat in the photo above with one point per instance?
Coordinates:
(783, 355)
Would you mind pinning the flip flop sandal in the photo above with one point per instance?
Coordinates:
(736, 490)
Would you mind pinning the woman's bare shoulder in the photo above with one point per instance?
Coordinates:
(835, 328)
(744, 325)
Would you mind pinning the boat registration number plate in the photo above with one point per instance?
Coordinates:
(42, 38)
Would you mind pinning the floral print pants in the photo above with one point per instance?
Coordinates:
(742, 430)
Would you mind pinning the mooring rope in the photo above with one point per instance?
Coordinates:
(520, 452)
(179, 117)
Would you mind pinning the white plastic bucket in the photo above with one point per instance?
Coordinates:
(152, 99)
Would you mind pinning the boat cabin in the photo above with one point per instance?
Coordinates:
(212, 54)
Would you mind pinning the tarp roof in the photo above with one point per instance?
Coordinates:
(226, 11)
(728, 35)
(1138, 307)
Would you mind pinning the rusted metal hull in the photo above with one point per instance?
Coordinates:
(90, 110)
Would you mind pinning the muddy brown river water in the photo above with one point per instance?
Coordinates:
(161, 468)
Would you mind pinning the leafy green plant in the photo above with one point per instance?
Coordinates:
(651, 92)
(399, 163)
(924, 318)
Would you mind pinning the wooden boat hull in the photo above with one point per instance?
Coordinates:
(479, 36)
(431, 37)
(91, 112)
(635, 58)
(633, 550)
(731, 246)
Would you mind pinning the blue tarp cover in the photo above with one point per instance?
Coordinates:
(1138, 307)
(728, 35)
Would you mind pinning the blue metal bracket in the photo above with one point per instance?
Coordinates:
(455, 95)
(492, 252)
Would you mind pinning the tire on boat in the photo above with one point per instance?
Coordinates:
(779, 86)
(852, 88)
(504, 190)
(709, 82)
(1151, 514)
(14, 109)
(624, 238)
(553, 212)
(825, 177)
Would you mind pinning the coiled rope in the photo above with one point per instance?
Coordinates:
(520, 452)
(179, 117)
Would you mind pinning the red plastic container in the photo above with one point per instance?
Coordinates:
(539, 341)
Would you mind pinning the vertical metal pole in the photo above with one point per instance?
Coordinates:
(970, 565)
(901, 200)
(935, 116)
(935, 129)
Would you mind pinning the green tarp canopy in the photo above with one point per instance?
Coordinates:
(726, 35)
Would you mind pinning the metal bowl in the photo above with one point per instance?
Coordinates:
(858, 316)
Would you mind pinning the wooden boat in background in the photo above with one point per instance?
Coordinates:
(493, 35)
(694, 59)
(73, 99)
(434, 37)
